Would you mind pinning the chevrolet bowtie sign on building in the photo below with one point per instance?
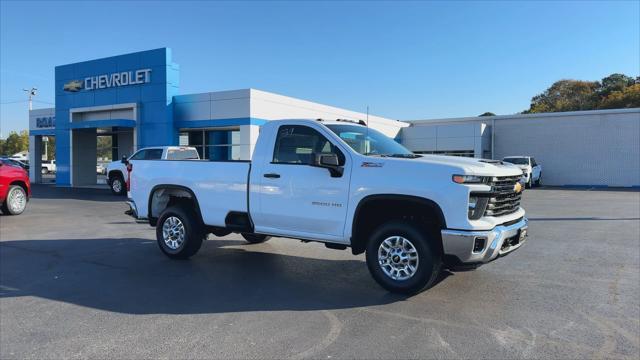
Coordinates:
(106, 81)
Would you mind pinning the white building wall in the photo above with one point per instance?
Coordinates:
(598, 147)
(269, 106)
(262, 105)
(578, 148)
(427, 136)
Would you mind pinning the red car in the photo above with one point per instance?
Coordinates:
(15, 188)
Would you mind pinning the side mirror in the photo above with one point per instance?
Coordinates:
(329, 162)
(124, 160)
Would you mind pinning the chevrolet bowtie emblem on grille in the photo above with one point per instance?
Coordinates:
(73, 86)
(517, 187)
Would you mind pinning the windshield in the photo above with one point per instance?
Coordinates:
(517, 161)
(367, 141)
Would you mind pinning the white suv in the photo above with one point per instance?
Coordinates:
(531, 170)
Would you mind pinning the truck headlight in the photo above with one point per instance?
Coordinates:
(469, 179)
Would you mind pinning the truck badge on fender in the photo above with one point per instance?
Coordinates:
(371, 164)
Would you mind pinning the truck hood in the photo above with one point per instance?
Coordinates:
(472, 166)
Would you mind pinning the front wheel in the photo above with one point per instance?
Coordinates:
(117, 185)
(255, 238)
(16, 201)
(401, 257)
(529, 182)
(44, 171)
(179, 232)
(539, 181)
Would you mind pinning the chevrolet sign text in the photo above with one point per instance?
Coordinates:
(124, 78)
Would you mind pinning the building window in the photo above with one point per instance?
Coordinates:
(219, 145)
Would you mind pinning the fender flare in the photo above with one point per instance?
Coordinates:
(153, 220)
(357, 248)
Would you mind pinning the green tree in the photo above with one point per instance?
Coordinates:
(566, 95)
(614, 82)
(16, 142)
(612, 92)
(488, 113)
(629, 97)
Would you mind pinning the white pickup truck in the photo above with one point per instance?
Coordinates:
(345, 185)
(116, 171)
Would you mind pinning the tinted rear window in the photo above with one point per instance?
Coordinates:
(182, 154)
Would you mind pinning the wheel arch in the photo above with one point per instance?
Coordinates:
(113, 173)
(373, 209)
(22, 184)
(170, 194)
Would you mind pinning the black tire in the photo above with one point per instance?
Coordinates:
(6, 209)
(255, 238)
(529, 182)
(117, 184)
(429, 258)
(44, 171)
(193, 232)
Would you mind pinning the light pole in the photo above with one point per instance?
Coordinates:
(32, 92)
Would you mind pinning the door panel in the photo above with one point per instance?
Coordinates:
(297, 197)
(303, 199)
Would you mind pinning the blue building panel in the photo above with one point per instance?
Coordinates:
(154, 92)
(129, 62)
(117, 80)
(128, 94)
(106, 97)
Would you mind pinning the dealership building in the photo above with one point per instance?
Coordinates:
(134, 99)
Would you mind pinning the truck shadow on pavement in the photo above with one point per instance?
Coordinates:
(132, 276)
(45, 191)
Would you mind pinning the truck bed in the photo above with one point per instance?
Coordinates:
(219, 186)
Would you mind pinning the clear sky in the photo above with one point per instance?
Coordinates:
(406, 60)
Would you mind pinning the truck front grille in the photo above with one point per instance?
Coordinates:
(504, 199)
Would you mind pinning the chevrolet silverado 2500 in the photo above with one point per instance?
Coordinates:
(345, 185)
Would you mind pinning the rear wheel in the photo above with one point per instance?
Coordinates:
(117, 184)
(44, 171)
(179, 232)
(255, 238)
(16, 201)
(401, 258)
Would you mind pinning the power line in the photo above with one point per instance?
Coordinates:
(23, 101)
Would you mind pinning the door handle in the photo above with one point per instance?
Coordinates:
(272, 176)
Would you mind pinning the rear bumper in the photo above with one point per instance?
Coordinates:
(133, 210)
(478, 247)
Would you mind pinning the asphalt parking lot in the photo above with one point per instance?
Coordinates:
(79, 279)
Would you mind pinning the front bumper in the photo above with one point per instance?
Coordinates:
(465, 246)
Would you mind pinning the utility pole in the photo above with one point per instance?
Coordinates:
(32, 92)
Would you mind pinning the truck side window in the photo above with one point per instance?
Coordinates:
(140, 155)
(154, 154)
(297, 144)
